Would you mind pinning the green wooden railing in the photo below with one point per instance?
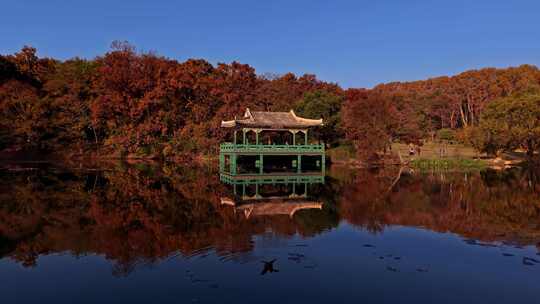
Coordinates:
(270, 179)
(241, 148)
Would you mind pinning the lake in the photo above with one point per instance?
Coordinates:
(161, 233)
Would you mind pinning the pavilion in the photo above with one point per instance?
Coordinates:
(276, 136)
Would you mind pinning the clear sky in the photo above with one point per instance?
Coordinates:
(354, 43)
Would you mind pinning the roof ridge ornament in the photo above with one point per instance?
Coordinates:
(293, 114)
(248, 114)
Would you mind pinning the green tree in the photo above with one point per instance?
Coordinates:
(69, 90)
(510, 123)
(325, 105)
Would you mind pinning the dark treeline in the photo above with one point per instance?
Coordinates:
(130, 104)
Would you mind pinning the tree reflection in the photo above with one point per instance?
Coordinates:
(132, 215)
(489, 205)
(136, 215)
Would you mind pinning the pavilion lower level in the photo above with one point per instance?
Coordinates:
(258, 158)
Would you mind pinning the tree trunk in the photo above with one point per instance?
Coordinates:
(470, 110)
(452, 120)
(463, 116)
(95, 136)
(530, 149)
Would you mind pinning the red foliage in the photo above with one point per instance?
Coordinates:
(141, 104)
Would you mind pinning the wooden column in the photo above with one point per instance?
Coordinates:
(244, 136)
(261, 164)
(293, 136)
(221, 162)
(257, 131)
(305, 137)
(233, 164)
(299, 164)
(234, 138)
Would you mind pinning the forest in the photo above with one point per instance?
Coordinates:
(130, 104)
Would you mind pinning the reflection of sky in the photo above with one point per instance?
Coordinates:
(334, 267)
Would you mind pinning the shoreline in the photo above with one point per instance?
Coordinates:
(508, 160)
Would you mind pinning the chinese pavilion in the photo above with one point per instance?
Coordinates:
(273, 144)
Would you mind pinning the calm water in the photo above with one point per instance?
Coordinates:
(160, 233)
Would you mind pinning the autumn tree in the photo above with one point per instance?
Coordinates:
(457, 101)
(127, 103)
(281, 93)
(368, 121)
(24, 111)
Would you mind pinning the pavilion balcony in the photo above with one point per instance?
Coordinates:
(271, 149)
(271, 179)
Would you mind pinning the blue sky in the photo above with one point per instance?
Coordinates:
(354, 43)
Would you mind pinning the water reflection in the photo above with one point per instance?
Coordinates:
(267, 195)
(488, 206)
(139, 215)
(133, 215)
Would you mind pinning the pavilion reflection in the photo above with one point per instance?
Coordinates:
(271, 194)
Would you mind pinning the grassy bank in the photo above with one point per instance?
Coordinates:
(441, 156)
(432, 156)
(435, 150)
(448, 164)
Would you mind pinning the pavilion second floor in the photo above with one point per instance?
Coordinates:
(272, 132)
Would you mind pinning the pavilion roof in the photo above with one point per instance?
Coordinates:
(272, 120)
(272, 206)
